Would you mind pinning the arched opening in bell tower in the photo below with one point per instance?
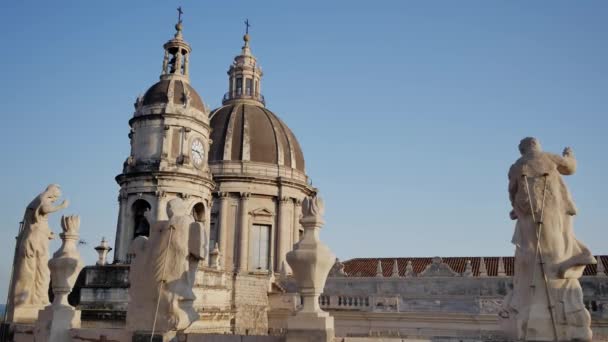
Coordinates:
(198, 212)
(141, 226)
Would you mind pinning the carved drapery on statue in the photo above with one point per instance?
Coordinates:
(31, 276)
(549, 300)
(170, 256)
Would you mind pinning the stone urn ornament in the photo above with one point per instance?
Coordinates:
(66, 262)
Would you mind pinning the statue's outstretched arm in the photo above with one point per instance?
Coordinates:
(48, 208)
(566, 164)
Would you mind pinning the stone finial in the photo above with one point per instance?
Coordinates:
(483, 272)
(313, 207)
(214, 257)
(601, 270)
(66, 262)
(409, 269)
(337, 270)
(56, 320)
(501, 268)
(468, 269)
(395, 269)
(379, 272)
(310, 261)
(103, 249)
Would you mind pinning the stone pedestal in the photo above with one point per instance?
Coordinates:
(54, 323)
(310, 328)
(139, 336)
(26, 314)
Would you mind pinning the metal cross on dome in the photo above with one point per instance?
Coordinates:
(247, 26)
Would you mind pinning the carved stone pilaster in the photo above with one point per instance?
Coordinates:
(223, 229)
(244, 232)
(122, 195)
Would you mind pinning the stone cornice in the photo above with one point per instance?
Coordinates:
(161, 116)
(155, 175)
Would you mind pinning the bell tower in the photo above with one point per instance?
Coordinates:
(169, 138)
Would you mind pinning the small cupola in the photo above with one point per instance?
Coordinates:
(245, 76)
(177, 53)
(174, 87)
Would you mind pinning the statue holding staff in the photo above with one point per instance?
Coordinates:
(546, 303)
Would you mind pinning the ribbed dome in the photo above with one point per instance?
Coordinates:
(245, 131)
(158, 94)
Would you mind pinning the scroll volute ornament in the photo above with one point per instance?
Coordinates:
(311, 260)
(66, 262)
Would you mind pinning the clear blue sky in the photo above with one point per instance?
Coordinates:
(409, 113)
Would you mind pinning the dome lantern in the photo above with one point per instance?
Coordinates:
(244, 83)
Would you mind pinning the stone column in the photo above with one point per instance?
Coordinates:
(223, 231)
(297, 207)
(244, 232)
(161, 207)
(311, 262)
(121, 244)
(284, 234)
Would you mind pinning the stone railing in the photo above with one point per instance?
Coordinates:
(244, 94)
(339, 302)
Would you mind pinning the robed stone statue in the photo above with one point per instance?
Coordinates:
(546, 302)
(163, 272)
(31, 275)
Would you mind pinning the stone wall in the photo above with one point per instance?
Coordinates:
(462, 307)
(102, 295)
(437, 308)
(251, 304)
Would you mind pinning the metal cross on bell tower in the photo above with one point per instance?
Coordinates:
(179, 14)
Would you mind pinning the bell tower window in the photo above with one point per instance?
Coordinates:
(141, 226)
(198, 212)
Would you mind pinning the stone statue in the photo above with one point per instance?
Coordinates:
(31, 276)
(547, 299)
(163, 272)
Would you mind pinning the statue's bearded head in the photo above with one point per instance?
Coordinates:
(53, 192)
(529, 145)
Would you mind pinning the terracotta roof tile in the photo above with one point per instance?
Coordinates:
(366, 267)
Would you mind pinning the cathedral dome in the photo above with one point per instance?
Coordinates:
(159, 94)
(245, 131)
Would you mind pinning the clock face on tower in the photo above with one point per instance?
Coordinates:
(197, 153)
